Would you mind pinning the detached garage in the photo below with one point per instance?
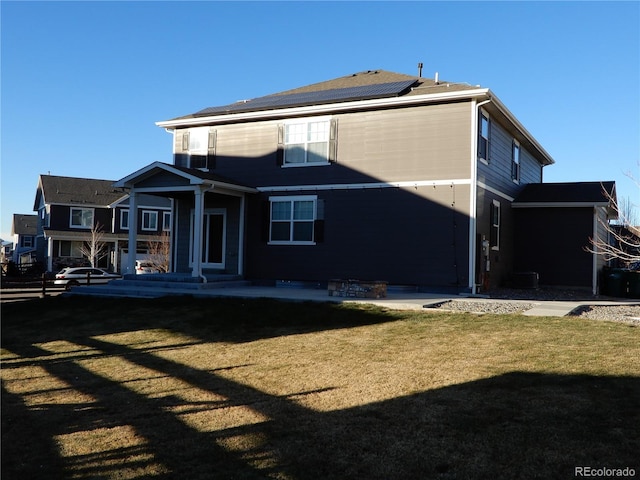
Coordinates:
(554, 223)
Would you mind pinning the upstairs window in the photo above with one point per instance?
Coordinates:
(307, 142)
(124, 219)
(197, 149)
(494, 237)
(81, 218)
(149, 220)
(484, 131)
(292, 220)
(515, 161)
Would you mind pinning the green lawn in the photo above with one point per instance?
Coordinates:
(212, 388)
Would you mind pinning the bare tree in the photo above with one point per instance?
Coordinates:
(95, 248)
(620, 239)
(159, 252)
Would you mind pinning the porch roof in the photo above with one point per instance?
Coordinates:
(569, 194)
(188, 176)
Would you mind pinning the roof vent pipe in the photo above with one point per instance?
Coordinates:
(437, 82)
(420, 69)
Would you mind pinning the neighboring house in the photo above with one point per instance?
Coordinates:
(69, 208)
(23, 229)
(372, 176)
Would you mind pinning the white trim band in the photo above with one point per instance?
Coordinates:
(364, 186)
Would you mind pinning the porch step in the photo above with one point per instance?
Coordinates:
(156, 288)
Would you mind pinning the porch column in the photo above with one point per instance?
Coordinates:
(197, 233)
(241, 237)
(49, 254)
(133, 231)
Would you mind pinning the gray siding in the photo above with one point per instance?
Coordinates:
(403, 236)
(425, 143)
(497, 174)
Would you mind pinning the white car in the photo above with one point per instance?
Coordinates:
(144, 267)
(72, 276)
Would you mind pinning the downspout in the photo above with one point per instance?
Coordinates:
(473, 196)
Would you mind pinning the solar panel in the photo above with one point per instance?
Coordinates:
(364, 92)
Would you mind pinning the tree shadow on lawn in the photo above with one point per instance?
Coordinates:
(518, 425)
(208, 319)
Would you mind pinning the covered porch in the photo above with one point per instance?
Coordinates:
(207, 218)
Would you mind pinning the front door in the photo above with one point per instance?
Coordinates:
(214, 226)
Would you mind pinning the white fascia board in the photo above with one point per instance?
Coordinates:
(559, 204)
(507, 113)
(364, 186)
(326, 108)
(126, 181)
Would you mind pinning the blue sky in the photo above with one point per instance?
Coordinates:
(83, 83)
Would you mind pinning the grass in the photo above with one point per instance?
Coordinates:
(200, 389)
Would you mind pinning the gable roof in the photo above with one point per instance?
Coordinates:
(571, 194)
(366, 85)
(373, 89)
(193, 175)
(24, 224)
(71, 190)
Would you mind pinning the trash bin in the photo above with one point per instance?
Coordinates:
(633, 282)
(616, 284)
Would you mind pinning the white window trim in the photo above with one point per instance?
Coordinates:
(202, 134)
(497, 226)
(150, 212)
(84, 227)
(122, 215)
(293, 198)
(306, 121)
(164, 222)
(514, 145)
(210, 211)
(484, 113)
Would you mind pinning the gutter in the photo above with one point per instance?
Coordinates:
(325, 108)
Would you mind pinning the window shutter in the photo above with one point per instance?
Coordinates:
(318, 224)
(318, 231)
(185, 141)
(333, 140)
(280, 149)
(265, 217)
(211, 149)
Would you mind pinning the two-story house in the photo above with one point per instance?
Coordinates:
(376, 176)
(23, 229)
(70, 208)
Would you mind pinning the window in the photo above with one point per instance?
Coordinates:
(166, 221)
(515, 161)
(307, 142)
(81, 218)
(27, 241)
(292, 219)
(198, 148)
(494, 237)
(484, 129)
(149, 220)
(124, 219)
(69, 249)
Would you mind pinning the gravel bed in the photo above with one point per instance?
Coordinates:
(484, 307)
(620, 313)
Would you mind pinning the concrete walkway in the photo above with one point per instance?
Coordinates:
(394, 300)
